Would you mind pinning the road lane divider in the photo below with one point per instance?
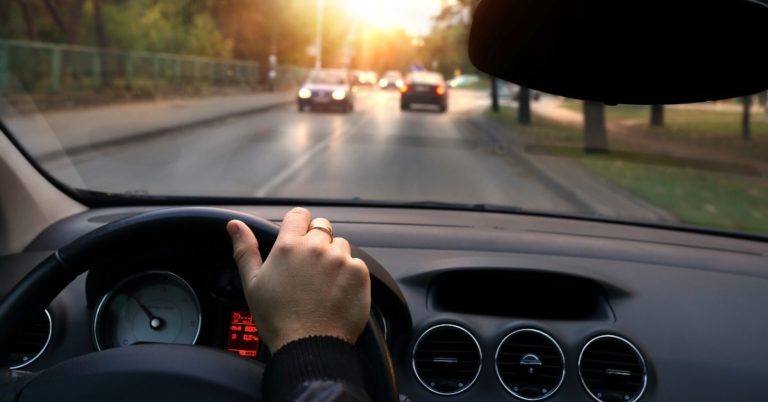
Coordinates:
(289, 172)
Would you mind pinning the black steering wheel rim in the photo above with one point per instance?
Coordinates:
(182, 228)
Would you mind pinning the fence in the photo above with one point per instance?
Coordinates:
(47, 68)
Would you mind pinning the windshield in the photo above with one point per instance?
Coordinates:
(153, 98)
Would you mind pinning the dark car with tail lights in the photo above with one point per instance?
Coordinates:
(424, 88)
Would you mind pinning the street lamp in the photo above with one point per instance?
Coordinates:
(319, 44)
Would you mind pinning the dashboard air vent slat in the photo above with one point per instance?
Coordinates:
(612, 369)
(30, 342)
(446, 359)
(530, 364)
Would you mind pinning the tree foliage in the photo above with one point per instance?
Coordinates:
(242, 29)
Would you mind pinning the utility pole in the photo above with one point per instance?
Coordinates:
(319, 44)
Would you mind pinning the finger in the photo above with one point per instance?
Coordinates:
(295, 223)
(343, 245)
(360, 265)
(314, 235)
(245, 249)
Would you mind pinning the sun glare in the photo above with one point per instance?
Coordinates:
(376, 13)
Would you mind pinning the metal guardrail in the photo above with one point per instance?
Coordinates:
(48, 68)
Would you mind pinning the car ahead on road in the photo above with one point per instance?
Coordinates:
(365, 78)
(424, 88)
(392, 79)
(326, 89)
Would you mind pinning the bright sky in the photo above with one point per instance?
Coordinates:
(415, 16)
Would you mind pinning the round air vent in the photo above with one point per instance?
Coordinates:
(530, 364)
(31, 341)
(446, 359)
(612, 369)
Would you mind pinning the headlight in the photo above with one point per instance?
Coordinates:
(383, 82)
(399, 83)
(305, 93)
(339, 94)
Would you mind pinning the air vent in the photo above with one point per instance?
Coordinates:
(31, 341)
(612, 369)
(530, 364)
(446, 359)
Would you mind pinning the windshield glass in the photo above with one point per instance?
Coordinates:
(179, 98)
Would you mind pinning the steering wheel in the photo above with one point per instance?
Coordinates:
(153, 372)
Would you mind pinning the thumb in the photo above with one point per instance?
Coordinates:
(245, 249)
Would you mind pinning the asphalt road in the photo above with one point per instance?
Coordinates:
(375, 153)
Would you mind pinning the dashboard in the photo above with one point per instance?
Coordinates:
(475, 305)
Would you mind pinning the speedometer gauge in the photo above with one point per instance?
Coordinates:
(150, 307)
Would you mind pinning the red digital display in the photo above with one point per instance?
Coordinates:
(243, 335)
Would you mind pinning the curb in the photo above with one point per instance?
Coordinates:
(555, 183)
(492, 128)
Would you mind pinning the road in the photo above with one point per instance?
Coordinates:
(375, 153)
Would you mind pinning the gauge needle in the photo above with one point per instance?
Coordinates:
(154, 322)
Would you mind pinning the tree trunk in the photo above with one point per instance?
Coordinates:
(5, 12)
(55, 16)
(595, 138)
(103, 41)
(98, 21)
(524, 106)
(657, 115)
(29, 21)
(745, 124)
(74, 18)
(494, 95)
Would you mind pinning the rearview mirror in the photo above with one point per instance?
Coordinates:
(619, 51)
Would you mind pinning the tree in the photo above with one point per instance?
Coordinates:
(29, 21)
(745, 118)
(495, 95)
(524, 106)
(595, 137)
(657, 115)
(98, 21)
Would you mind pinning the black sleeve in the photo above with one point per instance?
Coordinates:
(317, 368)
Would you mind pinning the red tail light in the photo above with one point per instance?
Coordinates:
(440, 90)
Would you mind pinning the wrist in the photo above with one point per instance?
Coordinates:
(279, 342)
(313, 358)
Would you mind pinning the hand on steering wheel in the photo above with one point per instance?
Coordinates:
(308, 285)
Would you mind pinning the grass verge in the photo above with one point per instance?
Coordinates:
(693, 195)
(715, 129)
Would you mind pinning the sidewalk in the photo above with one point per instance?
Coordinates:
(588, 193)
(46, 135)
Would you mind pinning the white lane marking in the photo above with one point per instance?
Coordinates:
(301, 162)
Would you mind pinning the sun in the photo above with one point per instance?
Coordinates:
(375, 13)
